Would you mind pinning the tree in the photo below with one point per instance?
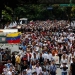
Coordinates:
(7, 16)
(73, 11)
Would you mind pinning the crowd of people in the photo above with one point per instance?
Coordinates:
(41, 42)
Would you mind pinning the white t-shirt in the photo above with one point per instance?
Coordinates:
(38, 70)
(45, 56)
(64, 61)
(37, 55)
(62, 69)
(49, 56)
(45, 73)
(33, 68)
(5, 70)
(29, 72)
(9, 73)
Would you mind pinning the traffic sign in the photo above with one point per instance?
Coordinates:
(67, 5)
(49, 8)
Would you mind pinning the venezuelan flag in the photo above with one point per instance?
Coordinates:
(13, 38)
(14, 34)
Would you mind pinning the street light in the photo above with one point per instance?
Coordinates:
(70, 15)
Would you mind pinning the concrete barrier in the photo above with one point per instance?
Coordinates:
(12, 47)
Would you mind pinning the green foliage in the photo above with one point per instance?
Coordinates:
(6, 16)
(73, 11)
(38, 12)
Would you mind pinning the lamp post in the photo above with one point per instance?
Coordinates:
(70, 14)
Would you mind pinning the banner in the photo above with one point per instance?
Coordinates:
(13, 34)
(10, 36)
(13, 37)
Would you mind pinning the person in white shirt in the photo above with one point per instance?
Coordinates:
(10, 71)
(71, 56)
(64, 54)
(37, 54)
(45, 72)
(64, 65)
(49, 56)
(29, 71)
(38, 69)
(45, 56)
(5, 70)
(33, 66)
(45, 43)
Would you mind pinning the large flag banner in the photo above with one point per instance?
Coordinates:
(15, 34)
(10, 36)
(4, 32)
(13, 37)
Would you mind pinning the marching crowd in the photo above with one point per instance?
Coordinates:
(41, 42)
